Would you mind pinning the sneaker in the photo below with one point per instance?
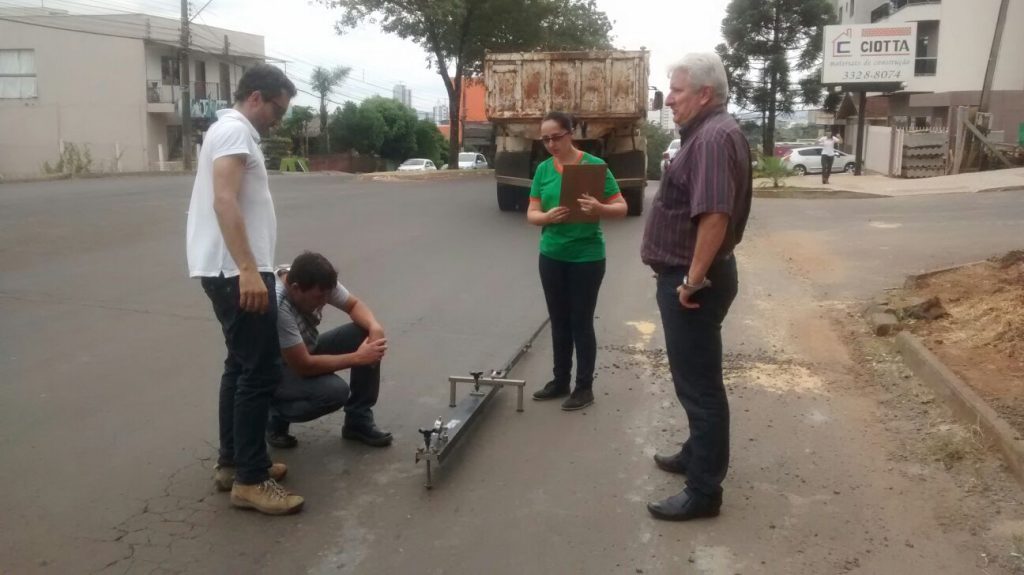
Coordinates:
(579, 399)
(551, 390)
(267, 497)
(367, 434)
(281, 440)
(224, 476)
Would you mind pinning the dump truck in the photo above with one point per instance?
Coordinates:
(606, 92)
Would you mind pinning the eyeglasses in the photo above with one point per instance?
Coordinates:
(553, 137)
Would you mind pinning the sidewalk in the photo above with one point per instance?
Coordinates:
(896, 187)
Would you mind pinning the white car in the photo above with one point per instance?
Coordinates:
(670, 152)
(416, 165)
(472, 161)
(808, 161)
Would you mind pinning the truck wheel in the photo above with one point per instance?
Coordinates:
(634, 201)
(507, 198)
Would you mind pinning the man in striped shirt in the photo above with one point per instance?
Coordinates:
(696, 220)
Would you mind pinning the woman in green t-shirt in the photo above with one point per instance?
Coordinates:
(571, 261)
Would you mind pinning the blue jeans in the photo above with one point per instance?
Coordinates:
(300, 399)
(693, 341)
(251, 372)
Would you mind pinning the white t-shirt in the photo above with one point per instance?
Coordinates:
(828, 145)
(208, 255)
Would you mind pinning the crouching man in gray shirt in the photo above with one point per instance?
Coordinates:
(310, 388)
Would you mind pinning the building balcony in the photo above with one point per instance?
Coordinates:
(897, 5)
(205, 98)
(926, 66)
(880, 13)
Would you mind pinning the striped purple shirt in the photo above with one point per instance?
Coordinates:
(710, 173)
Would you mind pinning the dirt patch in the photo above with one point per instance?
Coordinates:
(981, 338)
(795, 193)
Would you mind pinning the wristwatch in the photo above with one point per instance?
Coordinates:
(695, 288)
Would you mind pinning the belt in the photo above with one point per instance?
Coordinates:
(661, 269)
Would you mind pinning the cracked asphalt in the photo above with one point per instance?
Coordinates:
(110, 359)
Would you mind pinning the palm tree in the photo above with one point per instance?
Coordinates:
(324, 82)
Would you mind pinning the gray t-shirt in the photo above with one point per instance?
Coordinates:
(295, 327)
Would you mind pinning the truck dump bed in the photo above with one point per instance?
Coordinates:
(593, 85)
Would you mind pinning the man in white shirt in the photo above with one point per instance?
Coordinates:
(231, 237)
(828, 145)
(311, 388)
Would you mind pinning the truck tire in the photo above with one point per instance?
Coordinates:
(634, 201)
(506, 198)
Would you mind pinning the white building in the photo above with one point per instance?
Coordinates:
(954, 39)
(442, 116)
(402, 94)
(110, 84)
(663, 118)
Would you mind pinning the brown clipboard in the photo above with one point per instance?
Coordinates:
(579, 180)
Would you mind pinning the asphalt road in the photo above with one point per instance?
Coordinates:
(110, 359)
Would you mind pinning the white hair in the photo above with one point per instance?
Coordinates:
(704, 69)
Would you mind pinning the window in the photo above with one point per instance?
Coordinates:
(811, 152)
(17, 74)
(169, 75)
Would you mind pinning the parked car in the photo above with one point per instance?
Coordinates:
(808, 161)
(472, 161)
(416, 165)
(670, 152)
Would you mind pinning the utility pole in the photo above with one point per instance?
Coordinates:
(186, 100)
(993, 56)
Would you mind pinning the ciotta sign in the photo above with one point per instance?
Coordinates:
(869, 53)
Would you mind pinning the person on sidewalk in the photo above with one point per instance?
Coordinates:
(572, 261)
(697, 218)
(231, 234)
(828, 145)
(310, 388)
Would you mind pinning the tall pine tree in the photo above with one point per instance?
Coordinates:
(767, 43)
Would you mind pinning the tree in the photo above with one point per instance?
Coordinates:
(297, 124)
(428, 141)
(765, 41)
(379, 126)
(657, 142)
(343, 127)
(323, 82)
(456, 33)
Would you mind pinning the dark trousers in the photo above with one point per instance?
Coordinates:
(826, 167)
(299, 399)
(693, 341)
(251, 371)
(570, 290)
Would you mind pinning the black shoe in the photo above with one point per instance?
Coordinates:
(579, 399)
(685, 506)
(368, 434)
(552, 390)
(672, 463)
(281, 440)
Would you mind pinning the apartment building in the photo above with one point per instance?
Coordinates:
(954, 39)
(109, 83)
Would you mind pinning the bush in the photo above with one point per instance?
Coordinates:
(274, 149)
(774, 169)
(71, 162)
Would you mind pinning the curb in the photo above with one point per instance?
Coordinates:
(912, 280)
(965, 402)
(421, 176)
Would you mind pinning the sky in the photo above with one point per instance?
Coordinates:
(303, 35)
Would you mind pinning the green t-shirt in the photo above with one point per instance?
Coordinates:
(569, 242)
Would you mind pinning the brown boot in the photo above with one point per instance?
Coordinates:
(267, 497)
(224, 477)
